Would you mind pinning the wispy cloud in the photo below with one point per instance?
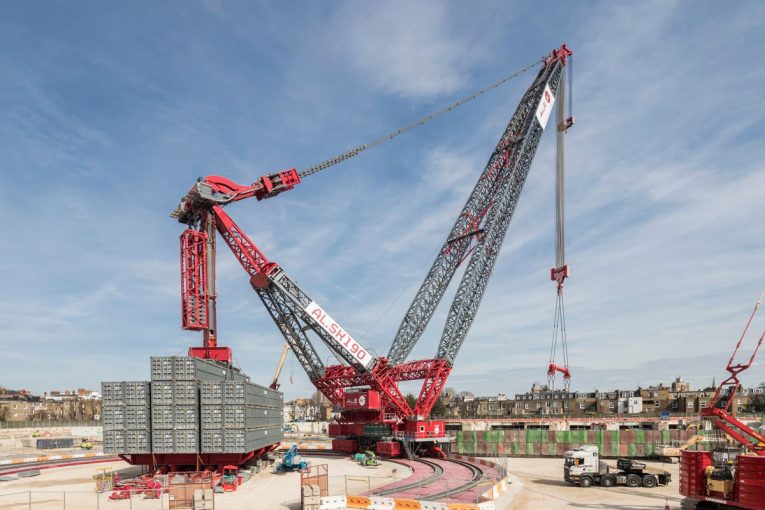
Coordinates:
(664, 192)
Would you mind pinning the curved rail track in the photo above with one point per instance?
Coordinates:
(477, 476)
(438, 472)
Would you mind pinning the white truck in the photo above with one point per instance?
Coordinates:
(583, 466)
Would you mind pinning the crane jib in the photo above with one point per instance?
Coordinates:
(344, 340)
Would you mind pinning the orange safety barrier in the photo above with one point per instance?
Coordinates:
(357, 502)
(406, 504)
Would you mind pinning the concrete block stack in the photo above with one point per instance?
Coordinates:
(239, 416)
(310, 497)
(167, 415)
(203, 499)
(175, 409)
(126, 417)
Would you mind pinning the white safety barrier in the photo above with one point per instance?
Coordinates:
(379, 503)
(332, 502)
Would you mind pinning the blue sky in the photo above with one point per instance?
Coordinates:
(109, 111)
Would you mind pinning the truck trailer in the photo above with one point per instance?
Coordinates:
(582, 466)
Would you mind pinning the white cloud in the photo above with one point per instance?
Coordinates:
(414, 49)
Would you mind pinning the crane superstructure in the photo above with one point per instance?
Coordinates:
(474, 242)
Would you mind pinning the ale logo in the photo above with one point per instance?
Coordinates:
(362, 400)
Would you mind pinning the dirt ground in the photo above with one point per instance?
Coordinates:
(73, 488)
(537, 484)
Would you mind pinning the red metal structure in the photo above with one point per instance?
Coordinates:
(719, 410)
(728, 477)
(474, 242)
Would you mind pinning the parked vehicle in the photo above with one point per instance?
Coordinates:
(582, 466)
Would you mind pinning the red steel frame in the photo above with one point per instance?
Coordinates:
(173, 462)
(719, 408)
(383, 376)
(195, 300)
(194, 305)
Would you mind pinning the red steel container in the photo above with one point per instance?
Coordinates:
(335, 429)
(362, 400)
(353, 429)
(425, 428)
(388, 448)
(692, 479)
(750, 482)
(345, 445)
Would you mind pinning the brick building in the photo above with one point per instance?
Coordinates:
(21, 405)
(676, 398)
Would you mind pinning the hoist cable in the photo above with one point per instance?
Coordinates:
(424, 120)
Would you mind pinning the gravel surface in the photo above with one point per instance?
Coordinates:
(539, 485)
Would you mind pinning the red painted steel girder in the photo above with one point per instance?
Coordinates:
(435, 380)
(736, 429)
(194, 295)
(215, 189)
(247, 253)
(434, 372)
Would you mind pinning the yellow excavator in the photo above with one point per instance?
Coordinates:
(669, 453)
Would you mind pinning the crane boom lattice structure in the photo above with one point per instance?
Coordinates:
(368, 386)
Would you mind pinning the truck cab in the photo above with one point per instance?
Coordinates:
(579, 461)
(582, 466)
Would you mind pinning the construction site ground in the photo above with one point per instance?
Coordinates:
(536, 484)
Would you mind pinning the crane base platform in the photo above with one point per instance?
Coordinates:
(181, 462)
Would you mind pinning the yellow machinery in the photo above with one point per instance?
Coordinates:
(104, 479)
(671, 454)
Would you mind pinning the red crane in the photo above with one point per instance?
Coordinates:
(474, 241)
(728, 477)
(719, 409)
